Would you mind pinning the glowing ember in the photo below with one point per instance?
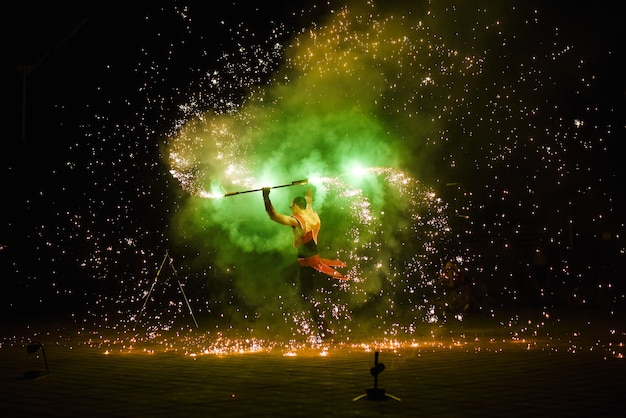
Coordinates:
(428, 134)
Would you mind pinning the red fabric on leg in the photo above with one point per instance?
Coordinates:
(323, 266)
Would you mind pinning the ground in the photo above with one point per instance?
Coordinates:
(531, 363)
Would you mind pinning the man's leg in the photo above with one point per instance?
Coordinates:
(310, 286)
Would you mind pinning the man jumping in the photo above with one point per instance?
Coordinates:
(306, 224)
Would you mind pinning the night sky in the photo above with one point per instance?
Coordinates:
(482, 131)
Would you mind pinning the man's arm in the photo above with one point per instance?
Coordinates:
(275, 216)
(309, 199)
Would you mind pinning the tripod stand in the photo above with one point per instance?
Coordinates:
(376, 393)
(156, 278)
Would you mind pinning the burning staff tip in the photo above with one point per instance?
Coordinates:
(208, 195)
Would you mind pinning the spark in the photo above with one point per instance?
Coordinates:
(413, 102)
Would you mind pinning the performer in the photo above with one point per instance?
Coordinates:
(305, 223)
(454, 277)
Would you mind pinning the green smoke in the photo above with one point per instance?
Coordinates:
(339, 100)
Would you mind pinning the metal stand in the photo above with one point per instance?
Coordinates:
(376, 393)
(36, 374)
(180, 286)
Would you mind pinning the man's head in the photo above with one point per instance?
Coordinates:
(298, 201)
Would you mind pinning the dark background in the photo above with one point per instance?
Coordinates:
(75, 149)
